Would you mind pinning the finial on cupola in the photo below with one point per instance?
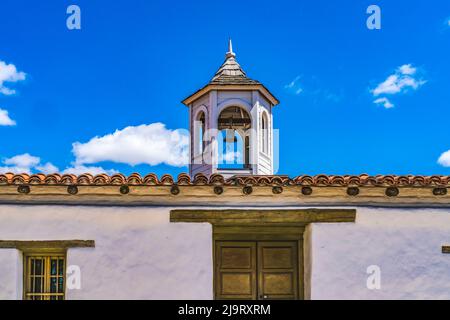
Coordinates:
(230, 52)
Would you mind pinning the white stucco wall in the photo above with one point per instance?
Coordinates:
(10, 274)
(404, 243)
(139, 254)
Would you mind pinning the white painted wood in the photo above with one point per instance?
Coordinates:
(217, 100)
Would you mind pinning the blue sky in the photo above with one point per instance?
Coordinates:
(133, 61)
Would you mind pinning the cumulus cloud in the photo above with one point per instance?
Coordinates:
(404, 78)
(80, 169)
(26, 163)
(9, 73)
(23, 160)
(384, 102)
(407, 69)
(47, 168)
(151, 144)
(5, 120)
(444, 159)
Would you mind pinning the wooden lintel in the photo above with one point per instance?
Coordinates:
(46, 244)
(300, 216)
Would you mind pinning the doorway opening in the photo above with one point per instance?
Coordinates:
(258, 263)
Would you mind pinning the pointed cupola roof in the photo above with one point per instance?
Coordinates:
(231, 76)
(230, 72)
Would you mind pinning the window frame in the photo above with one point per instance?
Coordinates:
(264, 133)
(199, 133)
(46, 254)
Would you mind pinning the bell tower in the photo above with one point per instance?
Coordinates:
(230, 121)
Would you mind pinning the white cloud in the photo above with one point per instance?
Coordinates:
(151, 144)
(15, 170)
(26, 163)
(403, 79)
(80, 169)
(407, 69)
(292, 83)
(47, 168)
(294, 86)
(146, 144)
(385, 102)
(5, 120)
(9, 73)
(400, 81)
(444, 159)
(23, 160)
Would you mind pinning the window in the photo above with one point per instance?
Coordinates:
(231, 146)
(200, 126)
(234, 124)
(264, 133)
(44, 276)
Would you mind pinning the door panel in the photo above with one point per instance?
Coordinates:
(238, 283)
(277, 283)
(277, 257)
(236, 270)
(236, 257)
(277, 270)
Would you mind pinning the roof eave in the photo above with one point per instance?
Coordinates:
(239, 87)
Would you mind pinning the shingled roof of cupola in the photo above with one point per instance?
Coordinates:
(231, 76)
(230, 72)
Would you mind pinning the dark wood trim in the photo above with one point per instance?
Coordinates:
(257, 232)
(245, 217)
(46, 244)
(445, 249)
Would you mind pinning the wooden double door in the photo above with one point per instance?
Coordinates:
(256, 270)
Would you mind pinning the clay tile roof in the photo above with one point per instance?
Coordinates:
(215, 179)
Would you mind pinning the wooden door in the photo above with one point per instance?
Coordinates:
(254, 270)
(236, 270)
(277, 270)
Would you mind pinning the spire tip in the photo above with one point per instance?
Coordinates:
(230, 52)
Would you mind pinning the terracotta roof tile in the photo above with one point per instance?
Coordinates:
(215, 179)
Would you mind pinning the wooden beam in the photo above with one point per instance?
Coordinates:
(46, 244)
(191, 195)
(301, 216)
